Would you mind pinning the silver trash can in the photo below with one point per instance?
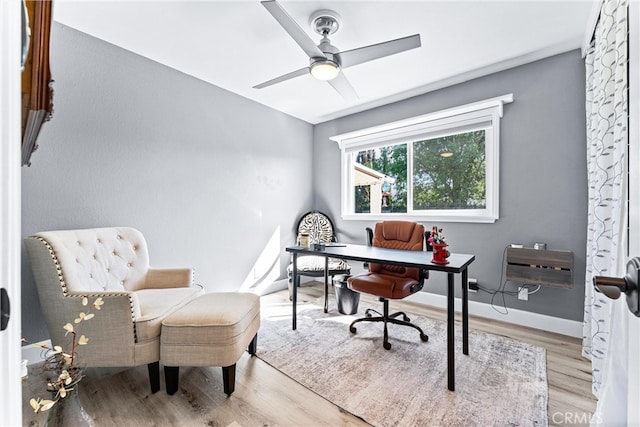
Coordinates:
(347, 299)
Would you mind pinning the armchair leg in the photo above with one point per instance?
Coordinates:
(154, 376)
(171, 378)
(229, 379)
(253, 345)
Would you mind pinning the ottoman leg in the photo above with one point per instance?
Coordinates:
(171, 378)
(229, 379)
(253, 345)
(154, 376)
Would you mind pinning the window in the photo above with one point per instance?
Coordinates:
(441, 166)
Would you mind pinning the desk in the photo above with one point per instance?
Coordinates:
(458, 263)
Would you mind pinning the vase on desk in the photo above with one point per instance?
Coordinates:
(440, 253)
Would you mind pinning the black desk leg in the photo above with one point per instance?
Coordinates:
(465, 312)
(451, 357)
(326, 284)
(294, 293)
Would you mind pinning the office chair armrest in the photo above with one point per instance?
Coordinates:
(369, 236)
(369, 231)
(424, 275)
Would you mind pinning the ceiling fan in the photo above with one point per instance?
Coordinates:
(325, 60)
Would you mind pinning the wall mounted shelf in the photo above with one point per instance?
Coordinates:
(540, 267)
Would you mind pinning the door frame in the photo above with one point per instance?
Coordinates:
(10, 198)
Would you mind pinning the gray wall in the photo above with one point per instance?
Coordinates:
(211, 178)
(543, 180)
(207, 176)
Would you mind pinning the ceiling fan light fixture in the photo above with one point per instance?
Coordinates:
(325, 70)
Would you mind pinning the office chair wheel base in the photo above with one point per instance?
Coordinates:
(424, 337)
(352, 329)
(386, 345)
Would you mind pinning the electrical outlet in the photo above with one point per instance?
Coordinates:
(523, 293)
(472, 285)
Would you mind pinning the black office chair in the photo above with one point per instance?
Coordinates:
(320, 229)
(391, 281)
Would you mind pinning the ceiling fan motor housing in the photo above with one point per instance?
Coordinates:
(325, 22)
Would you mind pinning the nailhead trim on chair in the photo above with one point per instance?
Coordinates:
(65, 291)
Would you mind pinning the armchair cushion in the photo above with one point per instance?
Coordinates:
(100, 259)
(156, 304)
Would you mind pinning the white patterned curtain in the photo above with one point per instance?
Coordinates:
(607, 135)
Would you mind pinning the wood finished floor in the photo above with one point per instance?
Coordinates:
(266, 397)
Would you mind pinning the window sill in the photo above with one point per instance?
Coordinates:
(444, 217)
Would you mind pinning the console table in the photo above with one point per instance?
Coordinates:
(458, 263)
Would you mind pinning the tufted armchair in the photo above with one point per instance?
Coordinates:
(112, 263)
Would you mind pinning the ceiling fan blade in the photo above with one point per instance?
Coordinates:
(294, 30)
(343, 87)
(352, 57)
(282, 78)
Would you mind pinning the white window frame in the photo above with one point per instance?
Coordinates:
(428, 126)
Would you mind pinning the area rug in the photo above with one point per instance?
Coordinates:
(502, 382)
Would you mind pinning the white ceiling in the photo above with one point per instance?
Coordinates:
(238, 44)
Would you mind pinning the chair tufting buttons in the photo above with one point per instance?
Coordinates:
(129, 264)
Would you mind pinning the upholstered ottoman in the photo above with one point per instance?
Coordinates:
(213, 330)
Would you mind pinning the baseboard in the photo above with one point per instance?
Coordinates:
(34, 353)
(543, 322)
